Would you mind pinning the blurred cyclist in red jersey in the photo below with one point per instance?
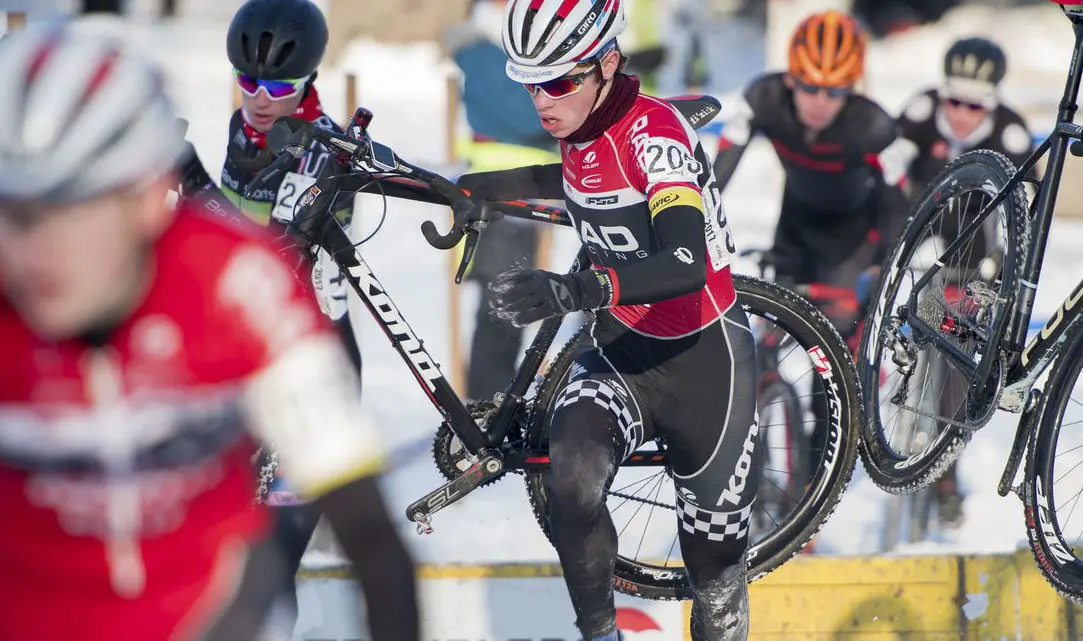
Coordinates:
(143, 349)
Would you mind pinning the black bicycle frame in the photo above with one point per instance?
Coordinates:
(1009, 331)
(424, 367)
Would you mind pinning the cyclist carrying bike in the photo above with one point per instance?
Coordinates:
(672, 354)
(144, 347)
(962, 114)
(275, 47)
(844, 160)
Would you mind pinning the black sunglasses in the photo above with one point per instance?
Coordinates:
(834, 92)
(972, 106)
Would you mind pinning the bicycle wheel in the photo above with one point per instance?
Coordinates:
(962, 303)
(1051, 497)
(815, 343)
(787, 448)
(918, 431)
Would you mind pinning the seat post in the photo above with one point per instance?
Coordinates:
(1068, 106)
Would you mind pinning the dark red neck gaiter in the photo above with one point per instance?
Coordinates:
(309, 109)
(622, 93)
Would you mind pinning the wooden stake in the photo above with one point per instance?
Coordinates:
(16, 20)
(545, 246)
(351, 95)
(457, 367)
(452, 118)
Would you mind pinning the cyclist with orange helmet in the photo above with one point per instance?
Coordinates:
(844, 159)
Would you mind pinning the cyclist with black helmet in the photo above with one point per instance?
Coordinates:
(146, 350)
(672, 352)
(964, 113)
(275, 47)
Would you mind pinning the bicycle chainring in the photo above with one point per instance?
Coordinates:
(448, 453)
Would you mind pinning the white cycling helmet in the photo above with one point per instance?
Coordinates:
(545, 39)
(79, 115)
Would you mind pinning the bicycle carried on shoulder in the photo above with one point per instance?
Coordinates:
(974, 232)
(480, 442)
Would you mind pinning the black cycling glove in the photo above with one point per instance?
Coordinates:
(524, 296)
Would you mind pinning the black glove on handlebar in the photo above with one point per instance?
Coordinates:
(524, 296)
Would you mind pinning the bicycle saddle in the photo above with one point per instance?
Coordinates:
(698, 110)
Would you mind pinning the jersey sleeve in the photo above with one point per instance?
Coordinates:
(738, 130)
(887, 150)
(304, 397)
(916, 114)
(1015, 140)
(890, 154)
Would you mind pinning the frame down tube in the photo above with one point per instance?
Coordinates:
(412, 349)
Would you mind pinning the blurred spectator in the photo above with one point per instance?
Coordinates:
(730, 36)
(103, 6)
(884, 17)
(168, 7)
(506, 133)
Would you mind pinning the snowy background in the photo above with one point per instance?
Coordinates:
(406, 88)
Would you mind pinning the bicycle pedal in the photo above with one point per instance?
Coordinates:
(421, 510)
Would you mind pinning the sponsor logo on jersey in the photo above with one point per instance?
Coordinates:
(614, 238)
(675, 196)
(602, 200)
(684, 255)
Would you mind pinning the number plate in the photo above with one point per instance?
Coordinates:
(293, 185)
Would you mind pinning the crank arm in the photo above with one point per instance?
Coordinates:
(421, 511)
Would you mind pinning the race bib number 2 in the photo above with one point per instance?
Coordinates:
(293, 185)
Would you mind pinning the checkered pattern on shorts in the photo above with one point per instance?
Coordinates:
(717, 526)
(607, 395)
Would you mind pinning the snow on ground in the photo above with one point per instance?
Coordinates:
(406, 88)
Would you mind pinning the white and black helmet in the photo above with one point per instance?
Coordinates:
(545, 39)
(80, 115)
(973, 69)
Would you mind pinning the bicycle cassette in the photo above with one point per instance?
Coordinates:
(448, 453)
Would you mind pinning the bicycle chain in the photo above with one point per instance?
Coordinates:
(647, 501)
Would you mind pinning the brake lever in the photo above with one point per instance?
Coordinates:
(472, 236)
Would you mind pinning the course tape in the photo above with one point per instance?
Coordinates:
(848, 598)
